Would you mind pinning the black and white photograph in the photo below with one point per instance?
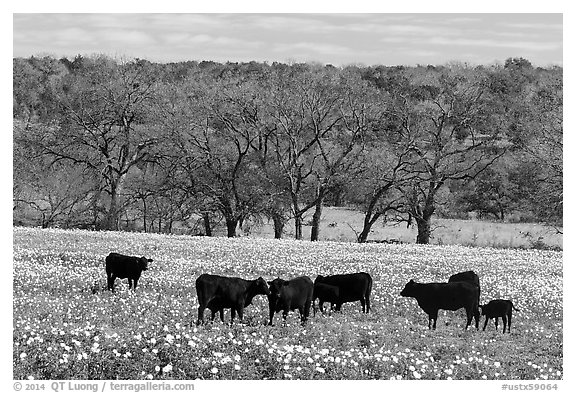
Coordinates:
(311, 195)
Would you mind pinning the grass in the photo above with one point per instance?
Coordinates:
(66, 326)
(340, 224)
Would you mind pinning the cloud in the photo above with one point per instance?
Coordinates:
(532, 45)
(311, 48)
(126, 37)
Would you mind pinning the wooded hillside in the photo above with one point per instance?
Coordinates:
(133, 145)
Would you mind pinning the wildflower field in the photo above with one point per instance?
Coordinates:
(67, 326)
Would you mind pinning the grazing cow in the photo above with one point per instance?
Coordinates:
(123, 266)
(325, 293)
(289, 296)
(468, 276)
(217, 293)
(352, 287)
(452, 296)
(498, 308)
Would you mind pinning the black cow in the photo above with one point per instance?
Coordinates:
(452, 296)
(325, 293)
(215, 307)
(123, 266)
(352, 287)
(218, 292)
(289, 296)
(498, 308)
(468, 276)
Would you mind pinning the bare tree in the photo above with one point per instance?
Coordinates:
(104, 126)
(450, 124)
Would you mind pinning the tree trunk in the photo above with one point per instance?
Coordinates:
(207, 225)
(144, 214)
(111, 220)
(423, 216)
(368, 222)
(231, 224)
(279, 222)
(113, 214)
(315, 233)
(298, 226)
(370, 219)
(424, 230)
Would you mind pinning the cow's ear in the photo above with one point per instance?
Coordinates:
(150, 260)
(269, 282)
(412, 281)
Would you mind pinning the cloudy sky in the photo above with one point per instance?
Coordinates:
(339, 39)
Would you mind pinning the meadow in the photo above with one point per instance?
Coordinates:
(343, 224)
(67, 326)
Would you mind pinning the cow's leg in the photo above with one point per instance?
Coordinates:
(496, 322)
(434, 317)
(509, 321)
(504, 323)
(363, 302)
(222, 315)
(367, 303)
(201, 309)
(469, 315)
(302, 317)
(240, 313)
(212, 315)
(306, 310)
(129, 283)
(321, 306)
(476, 317)
(232, 314)
(135, 283)
(271, 308)
(485, 323)
(285, 314)
(111, 279)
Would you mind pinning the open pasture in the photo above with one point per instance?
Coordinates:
(67, 326)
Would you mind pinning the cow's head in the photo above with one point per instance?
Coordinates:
(143, 263)
(261, 288)
(409, 289)
(275, 286)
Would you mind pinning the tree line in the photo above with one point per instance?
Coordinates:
(113, 144)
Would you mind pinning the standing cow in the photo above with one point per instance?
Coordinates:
(498, 308)
(451, 296)
(325, 293)
(351, 287)
(289, 296)
(468, 276)
(218, 292)
(123, 266)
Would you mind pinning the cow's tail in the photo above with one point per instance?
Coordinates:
(514, 308)
(367, 294)
(368, 288)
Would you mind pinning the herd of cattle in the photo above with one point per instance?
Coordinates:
(218, 293)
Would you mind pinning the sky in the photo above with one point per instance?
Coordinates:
(329, 38)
